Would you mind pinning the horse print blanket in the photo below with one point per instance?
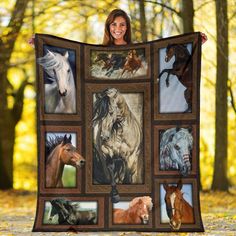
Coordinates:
(118, 135)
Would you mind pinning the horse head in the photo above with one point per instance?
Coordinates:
(176, 145)
(174, 204)
(69, 155)
(142, 211)
(170, 52)
(182, 145)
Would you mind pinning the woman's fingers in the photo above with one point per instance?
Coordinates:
(204, 37)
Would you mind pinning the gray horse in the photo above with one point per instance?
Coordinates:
(175, 150)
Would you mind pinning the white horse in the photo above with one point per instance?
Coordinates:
(175, 150)
(119, 134)
(60, 94)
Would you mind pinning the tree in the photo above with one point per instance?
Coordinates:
(220, 181)
(187, 15)
(142, 20)
(9, 116)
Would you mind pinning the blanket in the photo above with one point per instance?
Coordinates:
(118, 135)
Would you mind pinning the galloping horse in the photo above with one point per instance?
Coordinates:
(178, 209)
(60, 93)
(119, 136)
(182, 68)
(175, 150)
(137, 213)
(61, 152)
(132, 64)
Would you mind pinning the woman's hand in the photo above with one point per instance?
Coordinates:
(31, 41)
(204, 37)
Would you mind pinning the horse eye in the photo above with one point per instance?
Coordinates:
(68, 149)
(68, 71)
(177, 147)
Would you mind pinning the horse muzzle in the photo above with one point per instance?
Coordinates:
(175, 225)
(145, 219)
(63, 94)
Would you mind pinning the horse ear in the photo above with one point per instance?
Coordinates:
(180, 184)
(70, 138)
(171, 138)
(165, 186)
(66, 55)
(177, 129)
(190, 129)
(64, 140)
(50, 52)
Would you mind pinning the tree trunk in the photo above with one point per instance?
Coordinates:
(187, 14)
(9, 117)
(220, 181)
(143, 20)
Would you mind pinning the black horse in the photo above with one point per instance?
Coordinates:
(69, 214)
(112, 63)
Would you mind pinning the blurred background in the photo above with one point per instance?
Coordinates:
(84, 21)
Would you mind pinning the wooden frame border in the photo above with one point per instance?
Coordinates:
(132, 188)
(39, 226)
(55, 42)
(42, 178)
(157, 171)
(193, 39)
(89, 49)
(128, 226)
(197, 226)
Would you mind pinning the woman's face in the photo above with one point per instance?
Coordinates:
(118, 28)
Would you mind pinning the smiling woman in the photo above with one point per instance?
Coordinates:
(117, 28)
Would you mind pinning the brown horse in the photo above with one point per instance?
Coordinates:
(63, 153)
(178, 209)
(182, 68)
(132, 63)
(137, 213)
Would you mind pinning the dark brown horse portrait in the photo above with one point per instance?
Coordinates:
(182, 68)
(60, 152)
(66, 212)
(137, 213)
(178, 209)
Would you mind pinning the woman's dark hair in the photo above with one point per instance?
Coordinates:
(107, 38)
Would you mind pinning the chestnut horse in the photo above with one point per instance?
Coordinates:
(178, 209)
(132, 64)
(182, 68)
(62, 153)
(137, 213)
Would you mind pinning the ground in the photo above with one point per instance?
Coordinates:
(17, 211)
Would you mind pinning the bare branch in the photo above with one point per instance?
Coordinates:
(232, 102)
(164, 6)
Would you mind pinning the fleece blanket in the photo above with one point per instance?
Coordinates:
(118, 135)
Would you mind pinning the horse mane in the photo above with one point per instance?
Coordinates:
(51, 143)
(50, 62)
(101, 106)
(146, 200)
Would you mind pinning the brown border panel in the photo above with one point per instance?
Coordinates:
(45, 227)
(62, 44)
(184, 227)
(135, 88)
(88, 50)
(176, 116)
(127, 226)
(157, 171)
(42, 179)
